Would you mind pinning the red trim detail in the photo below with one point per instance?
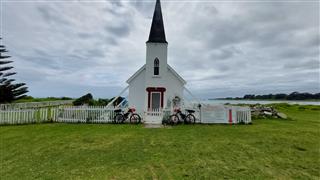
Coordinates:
(155, 89)
(149, 99)
(161, 94)
(230, 116)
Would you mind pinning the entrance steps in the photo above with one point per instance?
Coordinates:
(153, 119)
(153, 116)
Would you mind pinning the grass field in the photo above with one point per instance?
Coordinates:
(270, 148)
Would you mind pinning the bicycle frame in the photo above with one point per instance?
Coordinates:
(125, 114)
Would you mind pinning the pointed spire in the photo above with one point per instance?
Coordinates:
(157, 33)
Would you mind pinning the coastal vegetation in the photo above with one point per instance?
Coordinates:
(83, 100)
(280, 96)
(88, 100)
(33, 99)
(269, 148)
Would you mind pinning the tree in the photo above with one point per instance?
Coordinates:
(9, 90)
(86, 99)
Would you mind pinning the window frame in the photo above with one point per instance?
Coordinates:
(156, 67)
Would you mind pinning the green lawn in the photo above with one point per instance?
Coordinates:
(270, 148)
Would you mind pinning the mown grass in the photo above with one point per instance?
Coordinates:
(270, 148)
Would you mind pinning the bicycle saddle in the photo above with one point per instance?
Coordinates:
(190, 111)
(117, 110)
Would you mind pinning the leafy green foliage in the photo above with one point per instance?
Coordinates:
(8, 90)
(86, 99)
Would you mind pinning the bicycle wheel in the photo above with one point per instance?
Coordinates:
(190, 119)
(118, 119)
(174, 119)
(135, 119)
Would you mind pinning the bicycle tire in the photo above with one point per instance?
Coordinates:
(174, 119)
(190, 119)
(135, 119)
(118, 119)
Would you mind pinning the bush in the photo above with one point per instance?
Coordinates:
(86, 99)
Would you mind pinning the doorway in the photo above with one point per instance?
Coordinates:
(155, 100)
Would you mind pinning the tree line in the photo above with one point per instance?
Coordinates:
(280, 96)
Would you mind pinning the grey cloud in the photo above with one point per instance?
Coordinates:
(95, 53)
(224, 53)
(221, 49)
(144, 7)
(117, 3)
(86, 35)
(119, 31)
(310, 64)
(51, 15)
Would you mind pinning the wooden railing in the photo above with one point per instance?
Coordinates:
(154, 112)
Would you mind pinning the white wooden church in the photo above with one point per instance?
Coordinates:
(156, 85)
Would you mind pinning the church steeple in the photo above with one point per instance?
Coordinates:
(157, 33)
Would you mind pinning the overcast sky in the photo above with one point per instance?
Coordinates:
(220, 48)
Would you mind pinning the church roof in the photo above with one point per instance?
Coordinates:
(157, 33)
(143, 68)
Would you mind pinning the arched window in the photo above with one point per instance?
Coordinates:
(156, 67)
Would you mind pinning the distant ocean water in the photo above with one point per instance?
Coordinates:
(214, 102)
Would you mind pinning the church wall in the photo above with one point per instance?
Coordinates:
(137, 91)
(174, 87)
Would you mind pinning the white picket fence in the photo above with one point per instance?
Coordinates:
(31, 105)
(102, 114)
(27, 116)
(85, 114)
(63, 114)
(243, 115)
(220, 114)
